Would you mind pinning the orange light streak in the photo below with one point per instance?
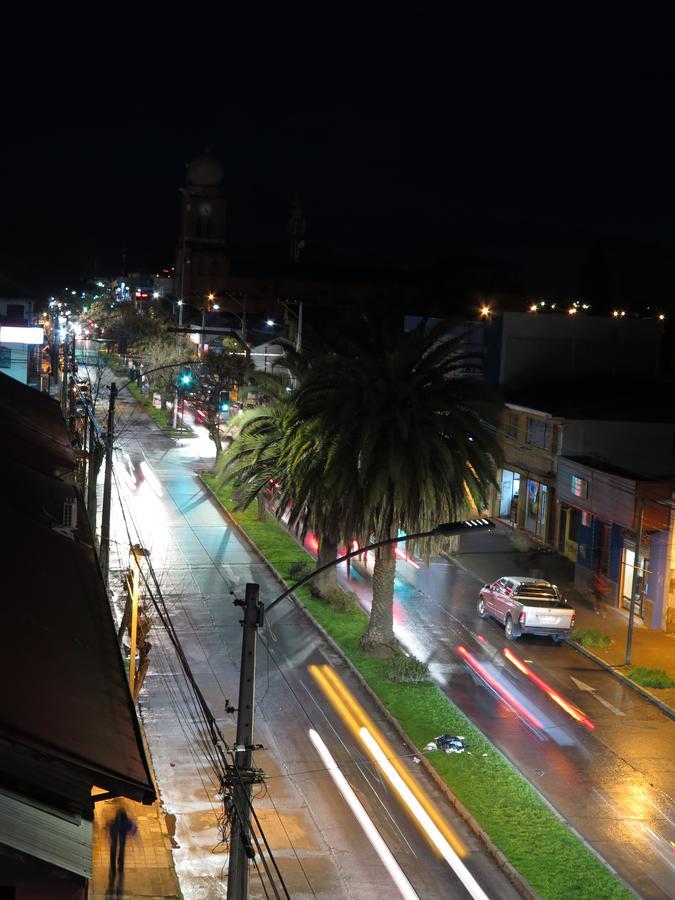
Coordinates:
(551, 692)
(503, 693)
(355, 718)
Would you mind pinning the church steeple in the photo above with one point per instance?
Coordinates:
(201, 261)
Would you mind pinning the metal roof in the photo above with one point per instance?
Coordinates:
(45, 833)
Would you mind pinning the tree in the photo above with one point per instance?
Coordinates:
(252, 462)
(220, 371)
(406, 440)
(156, 353)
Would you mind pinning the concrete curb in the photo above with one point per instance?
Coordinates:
(584, 652)
(627, 681)
(521, 885)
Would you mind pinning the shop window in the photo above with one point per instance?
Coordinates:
(5, 358)
(538, 433)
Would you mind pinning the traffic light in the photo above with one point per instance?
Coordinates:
(224, 401)
(186, 378)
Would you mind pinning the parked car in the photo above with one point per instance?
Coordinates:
(527, 606)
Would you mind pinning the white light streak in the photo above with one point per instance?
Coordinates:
(364, 820)
(151, 478)
(422, 817)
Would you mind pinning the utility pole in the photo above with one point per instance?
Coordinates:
(91, 477)
(104, 555)
(241, 851)
(298, 342)
(64, 375)
(136, 553)
(638, 573)
(179, 333)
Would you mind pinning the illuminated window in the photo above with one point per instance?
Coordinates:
(579, 487)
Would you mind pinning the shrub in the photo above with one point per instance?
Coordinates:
(590, 637)
(301, 568)
(341, 601)
(407, 669)
(653, 678)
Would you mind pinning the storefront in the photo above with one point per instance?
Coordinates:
(536, 508)
(632, 575)
(508, 501)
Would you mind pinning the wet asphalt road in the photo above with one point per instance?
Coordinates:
(318, 844)
(615, 784)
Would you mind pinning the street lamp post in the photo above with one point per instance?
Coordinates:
(243, 774)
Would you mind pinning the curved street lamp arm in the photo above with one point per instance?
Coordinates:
(449, 528)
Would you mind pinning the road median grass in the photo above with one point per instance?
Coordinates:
(159, 416)
(547, 853)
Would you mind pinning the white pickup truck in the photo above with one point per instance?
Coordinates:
(527, 606)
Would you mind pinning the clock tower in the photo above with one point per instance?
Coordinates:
(202, 264)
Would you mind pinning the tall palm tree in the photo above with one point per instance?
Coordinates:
(252, 460)
(273, 446)
(407, 440)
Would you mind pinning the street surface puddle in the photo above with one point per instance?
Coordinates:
(170, 820)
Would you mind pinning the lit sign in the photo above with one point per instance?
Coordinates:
(579, 487)
(15, 334)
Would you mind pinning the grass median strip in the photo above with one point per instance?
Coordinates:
(548, 854)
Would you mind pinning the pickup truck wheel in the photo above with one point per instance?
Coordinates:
(558, 638)
(511, 632)
(482, 611)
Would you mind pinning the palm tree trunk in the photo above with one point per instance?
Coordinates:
(326, 581)
(262, 508)
(379, 638)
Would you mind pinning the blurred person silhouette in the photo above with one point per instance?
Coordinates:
(120, 827)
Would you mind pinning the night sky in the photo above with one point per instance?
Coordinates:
(530, 133)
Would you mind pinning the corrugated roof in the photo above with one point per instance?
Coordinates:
(32, 428)
(46, 834)
(69, 696)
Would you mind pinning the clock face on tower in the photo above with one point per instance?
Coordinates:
(205, 209)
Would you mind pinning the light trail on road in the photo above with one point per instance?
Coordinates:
(356, 719)
(423, 818)
(569, 708)
(398, 876)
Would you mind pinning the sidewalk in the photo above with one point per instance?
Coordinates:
(650, 648)
(148, 864)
